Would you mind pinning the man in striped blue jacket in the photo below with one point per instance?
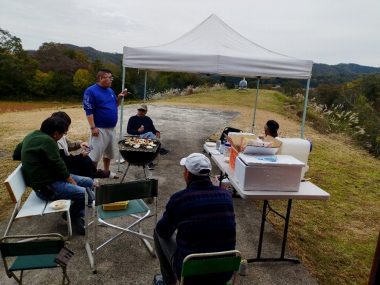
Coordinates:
(198, 219)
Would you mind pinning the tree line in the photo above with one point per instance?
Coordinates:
(61, 72)
(53, 72)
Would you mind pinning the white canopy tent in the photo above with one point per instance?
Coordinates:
(214, 47)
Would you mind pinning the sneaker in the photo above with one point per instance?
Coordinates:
(158, 280)
(122, 160)
(78, 226)
(106, 174)
(163, 151)
(101, 174)
(150, 166)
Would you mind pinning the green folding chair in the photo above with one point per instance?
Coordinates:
(28, 252)
(213, 262)
(137, 209)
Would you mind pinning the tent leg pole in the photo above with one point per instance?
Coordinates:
(146, 75)
(121, 116)
(257, 95)
(305, 108)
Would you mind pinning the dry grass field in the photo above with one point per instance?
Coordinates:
(334, 239)
(18, 119)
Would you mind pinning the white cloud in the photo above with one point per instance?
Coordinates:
(324, 31)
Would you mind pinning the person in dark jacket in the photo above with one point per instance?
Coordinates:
(198, 219)
(141, 125)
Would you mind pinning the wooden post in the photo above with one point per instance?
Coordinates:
(374, 276)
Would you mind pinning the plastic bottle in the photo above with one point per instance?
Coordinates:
(221, 148)
(218, 143)
(227, 150)
(243, 270)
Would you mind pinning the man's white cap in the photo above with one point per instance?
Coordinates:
(197, 164)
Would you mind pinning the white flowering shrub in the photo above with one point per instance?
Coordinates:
(186, 91)
(337, 120)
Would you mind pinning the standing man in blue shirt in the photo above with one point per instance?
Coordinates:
(100, 104)
(198, 219)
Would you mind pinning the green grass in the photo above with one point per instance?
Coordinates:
(335, 239)
(347, 225)
(272, 100)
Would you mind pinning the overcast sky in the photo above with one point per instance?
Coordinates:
(325, 31)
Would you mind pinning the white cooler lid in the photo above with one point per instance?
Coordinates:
(287, 160)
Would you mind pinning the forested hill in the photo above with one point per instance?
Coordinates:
(93, 54)
(343, 68)
(339, 73)
(322, 73)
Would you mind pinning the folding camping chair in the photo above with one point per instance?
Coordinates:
(134, 192)
(209, 263)
(30, 252)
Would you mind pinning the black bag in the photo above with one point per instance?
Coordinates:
(80, 165)
(45, 190)
(223, 136)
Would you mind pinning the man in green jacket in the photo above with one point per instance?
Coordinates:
(45, 171)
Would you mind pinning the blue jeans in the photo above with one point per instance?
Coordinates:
(148, 135)
(76, 193)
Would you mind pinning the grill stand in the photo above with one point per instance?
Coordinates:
(126, 171)
(138, 157)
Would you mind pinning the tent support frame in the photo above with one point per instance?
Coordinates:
(121, 116)
(306, 99)
(257, 95)
(145, 79)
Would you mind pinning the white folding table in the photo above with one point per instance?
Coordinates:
(307, 191)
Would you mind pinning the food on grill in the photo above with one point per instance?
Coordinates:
(139, 151)
(137, 142)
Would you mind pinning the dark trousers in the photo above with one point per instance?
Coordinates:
(165, 249)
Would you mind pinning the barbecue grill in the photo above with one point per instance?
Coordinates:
(140, 156)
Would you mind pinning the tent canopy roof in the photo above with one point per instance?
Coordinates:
(214, 47)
